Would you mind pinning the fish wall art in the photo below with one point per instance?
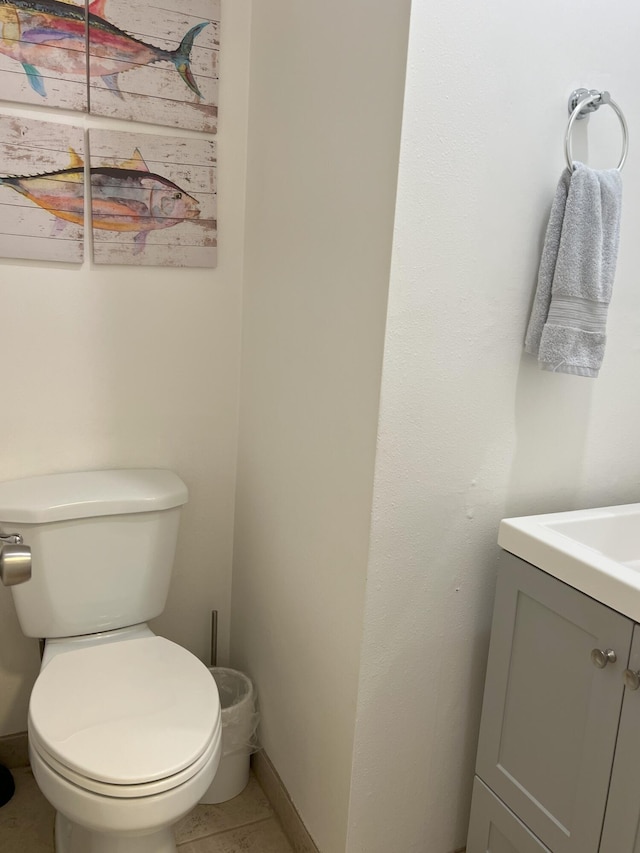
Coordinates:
(153, 63)
(153, 199)
(43, 56)
(42, 186)
(146, 61)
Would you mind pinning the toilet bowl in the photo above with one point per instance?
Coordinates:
(124, 726)
(124, 738)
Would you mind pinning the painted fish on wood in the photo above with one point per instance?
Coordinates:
(159, 210)
(124, 198)
(60, 193)
(52, 35)
(131, 198)
(41, 190)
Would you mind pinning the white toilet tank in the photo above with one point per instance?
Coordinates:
(103, 545)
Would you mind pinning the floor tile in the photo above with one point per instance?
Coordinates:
(243, 825)
(14, 750)
(266, 836)
(26, 821)
(249, 806)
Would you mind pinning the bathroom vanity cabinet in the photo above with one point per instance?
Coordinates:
(558, 766)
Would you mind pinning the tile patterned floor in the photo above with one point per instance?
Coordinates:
(245, 824)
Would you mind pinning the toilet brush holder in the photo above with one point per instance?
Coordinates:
(7, 785)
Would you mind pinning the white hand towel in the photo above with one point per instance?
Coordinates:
(567, 327)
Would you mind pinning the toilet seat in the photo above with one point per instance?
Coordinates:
(129, 791)
(125, 719)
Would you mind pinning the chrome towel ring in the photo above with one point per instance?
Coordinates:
(585, 101)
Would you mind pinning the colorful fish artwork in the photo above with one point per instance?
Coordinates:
(156, 211)
(131, 198)
(43, 52)
(114, 51)
(42, 189)
(60, 193)
(156, 207)
(124, 198)
(132, 48)
(155, 62)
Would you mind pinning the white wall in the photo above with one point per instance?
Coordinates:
(325, 108)
(470, 430)
(118, 366)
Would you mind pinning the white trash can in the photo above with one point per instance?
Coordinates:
(239, 725)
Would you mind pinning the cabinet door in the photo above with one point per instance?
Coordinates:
(495, 829)
(550, 716)
(622, 819)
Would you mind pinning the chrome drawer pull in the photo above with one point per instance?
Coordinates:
(601, 658)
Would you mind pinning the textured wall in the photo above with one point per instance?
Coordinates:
(470, 430)
(117, 366)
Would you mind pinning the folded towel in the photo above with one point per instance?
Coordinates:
(569, 315)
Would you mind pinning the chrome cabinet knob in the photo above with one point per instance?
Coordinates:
(15, 560)
(631, 679)
(601, 658)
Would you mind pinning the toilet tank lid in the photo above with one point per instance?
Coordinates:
(89, 494)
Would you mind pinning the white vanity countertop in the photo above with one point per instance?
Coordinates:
(596, 551)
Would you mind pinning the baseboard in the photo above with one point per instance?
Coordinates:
(14, 750)
(280, 800)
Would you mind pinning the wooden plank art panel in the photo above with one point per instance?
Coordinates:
(43, 53)
(153, 63)
(41, 190)
(153, 199)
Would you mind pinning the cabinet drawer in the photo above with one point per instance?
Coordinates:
(495, 829)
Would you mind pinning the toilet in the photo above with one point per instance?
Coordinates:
(124, 726)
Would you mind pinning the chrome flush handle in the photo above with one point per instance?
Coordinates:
(10, 539)
(601, 658)
(15, 559)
